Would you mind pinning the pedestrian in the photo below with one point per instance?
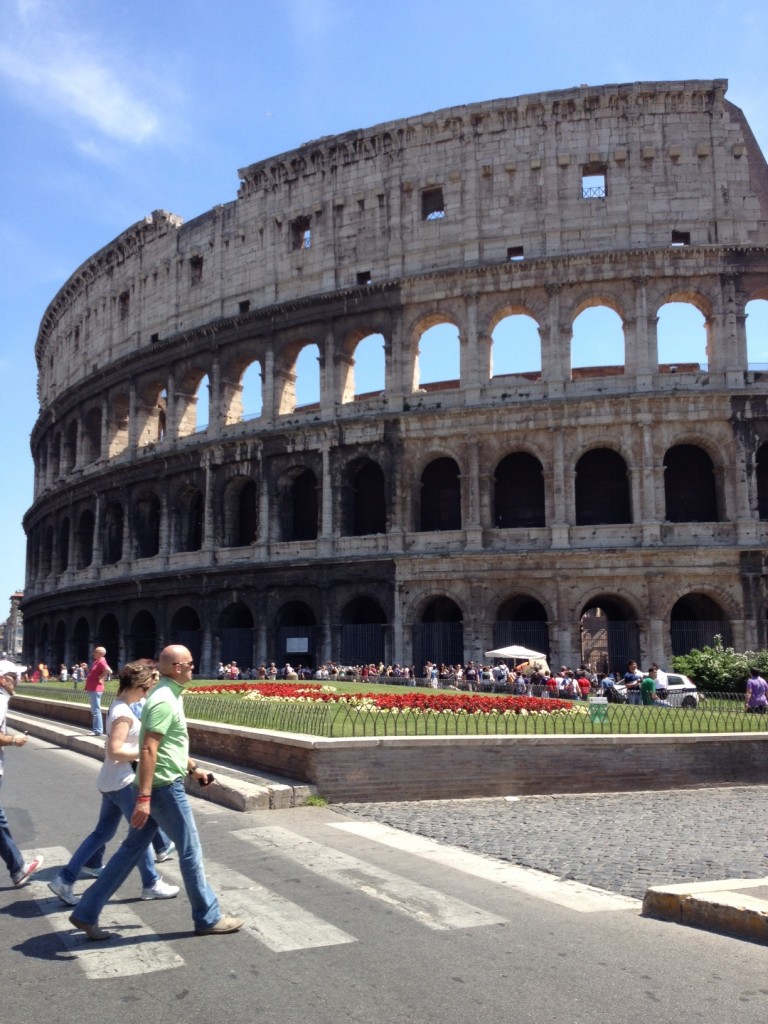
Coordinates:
(18, 868)
(756, 696)
(117, 796)
(161, 801)
(94, 687)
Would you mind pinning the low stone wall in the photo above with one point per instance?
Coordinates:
(441, 768)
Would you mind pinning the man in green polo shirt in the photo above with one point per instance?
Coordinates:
(161, 801)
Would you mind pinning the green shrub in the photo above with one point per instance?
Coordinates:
(720, 669)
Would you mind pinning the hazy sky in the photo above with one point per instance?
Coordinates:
(114, 108)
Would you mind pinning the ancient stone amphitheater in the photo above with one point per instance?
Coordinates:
(600, 512)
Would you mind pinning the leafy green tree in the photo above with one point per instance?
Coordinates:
(720, 669)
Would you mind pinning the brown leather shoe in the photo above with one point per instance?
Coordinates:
(94, 933)
(223, 926)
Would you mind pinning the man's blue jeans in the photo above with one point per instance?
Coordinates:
(9, 851)
(170, 810)
(114, 806)
(96, 716)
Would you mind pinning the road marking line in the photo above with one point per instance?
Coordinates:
(276, 922)
(136, 950)
(431, 908)
(563, 892)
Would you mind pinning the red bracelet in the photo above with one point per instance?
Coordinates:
(143, 799)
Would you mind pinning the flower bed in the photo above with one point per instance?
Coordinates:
(399, 703)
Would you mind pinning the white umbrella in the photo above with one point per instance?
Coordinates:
(517, 653)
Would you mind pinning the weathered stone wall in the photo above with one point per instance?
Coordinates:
(465, 216)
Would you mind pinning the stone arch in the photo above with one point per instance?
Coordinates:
(112, 533)
(70, 446)
(192, 401)
(146, 525)
(518, 494)
(684, 341)
(298, 377)
(438, 634)
(602, 491)
(364, 371)
(363, 499)
(756, 329)
(151, 411)
(190, 514)
(597, 338)
(437, 364)
(690, 485)
(440, 495)
(81, 640)
(108, 636)
(522, 619)
(185, 628)
(761, 480)
(84, 539)
(362, 633)
(62, 545)
(141, 642)
(236, 634)
(297, 635)
(609, 633)
(118, 424)
(515, 333)
(240, 512)
(298, 505)
(695, 620)
(92, 435)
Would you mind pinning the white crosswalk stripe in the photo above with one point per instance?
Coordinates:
(280, 924)
(563, 892)
(429, 907)
(136, 949)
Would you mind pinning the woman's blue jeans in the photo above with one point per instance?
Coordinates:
(170, 810)
(114, 806)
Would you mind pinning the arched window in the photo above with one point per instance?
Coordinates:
(366, 375)
(185, 630)
(190, 521)
(522, 620)
(690, 487)
(296, 635)
(307, 369)
(142, 640)
(440, 496)
(516, 346)
(609, 634)
(519, 492)
(70, 447)
(362, 633)
(602, 488)
(761, 474)
(439, 635)
(597, 342)
(112, 550)
(147, 526)
(84, 548)
(108, 636)
(364, 502)
(236, 634)
(695, 621)
(298, 505)
(92, 435)
(682, 338)
(63, 546)
(252, 391)
(757, 334)
(439, 358)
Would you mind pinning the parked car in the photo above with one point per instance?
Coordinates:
(681, 691)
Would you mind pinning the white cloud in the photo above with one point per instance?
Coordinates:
(64, 73)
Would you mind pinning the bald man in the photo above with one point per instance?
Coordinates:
(161, 801)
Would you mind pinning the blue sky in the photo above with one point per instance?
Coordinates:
(114, 108)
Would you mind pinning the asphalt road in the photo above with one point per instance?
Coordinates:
(350, 920)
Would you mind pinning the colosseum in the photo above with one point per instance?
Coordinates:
(187, 489)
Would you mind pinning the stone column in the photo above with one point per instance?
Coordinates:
(209, 533)
(104, 454)
(133, 417)
(215, 399)
(268, 410)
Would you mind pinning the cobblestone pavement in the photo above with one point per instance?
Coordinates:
(620, 842)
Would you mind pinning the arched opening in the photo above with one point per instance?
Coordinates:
(70, 447)
(296, 635)
(203, 405)
(440, 496)
(522, 620)
(59, 648)
(757, 334)
(518, 495)
(597, 343)
(113, 534)
(690, 486)
(119, 414)
(367, 373)
(364, 500)
(438, 636)
(307, 370)
(298, 505)
(81, 641)
(190, 521)
(516, 346)
(439, 358)
(682, 338)
(46, 553)
(185, 629)
(761, 477)
(142, 640)
(92, 435)
(362, 634)
(602, 489)
(108, 636)
(695, 621)
(241, 512)
(252, 394)
(236, 635)
(84, 549)
(63, 546)
(147, 526)
(609, 635)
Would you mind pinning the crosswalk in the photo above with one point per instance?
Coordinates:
(282, 925)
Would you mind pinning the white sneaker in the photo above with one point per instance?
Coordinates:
(159, 891)
(29, 868)
(91, 872)
(166, 853)
(63, 890)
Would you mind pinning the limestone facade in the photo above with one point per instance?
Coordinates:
(605, 513)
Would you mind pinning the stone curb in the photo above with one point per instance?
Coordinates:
(725, 906)
(236, 788)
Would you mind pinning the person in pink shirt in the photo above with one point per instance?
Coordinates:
(94, 687)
